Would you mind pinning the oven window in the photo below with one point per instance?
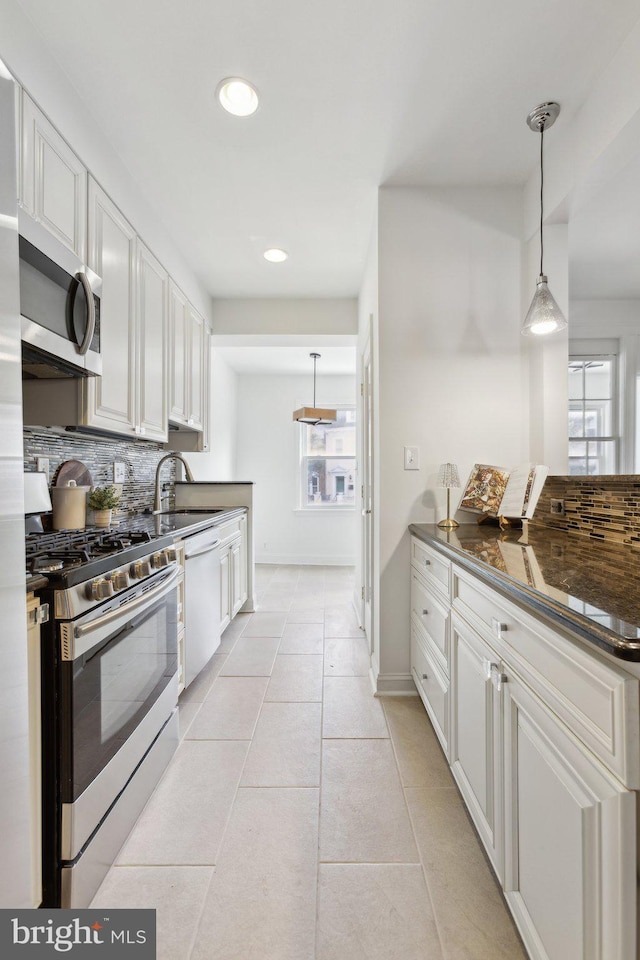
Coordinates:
(113, 688)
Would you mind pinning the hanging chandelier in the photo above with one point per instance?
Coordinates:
(315, 415)
(544, 315)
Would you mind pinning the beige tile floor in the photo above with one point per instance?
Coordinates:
(301, 818)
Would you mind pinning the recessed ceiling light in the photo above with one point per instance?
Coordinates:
(237, 96)
(275, 255)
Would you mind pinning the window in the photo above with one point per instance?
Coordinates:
(328, 462)
(593, 417)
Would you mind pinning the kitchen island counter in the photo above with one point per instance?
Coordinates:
(589, 587)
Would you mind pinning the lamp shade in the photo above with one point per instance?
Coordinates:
(448, 475)
(544, 316)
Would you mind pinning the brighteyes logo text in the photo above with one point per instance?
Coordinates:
(62, 937)
(38, 933)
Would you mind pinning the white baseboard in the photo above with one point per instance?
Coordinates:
(305, 560)
(394, 685)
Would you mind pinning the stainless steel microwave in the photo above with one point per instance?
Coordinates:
(59, 306)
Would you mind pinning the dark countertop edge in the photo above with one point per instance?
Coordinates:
(553, 610)
(36, 582)
(216, 483)
(211, 520)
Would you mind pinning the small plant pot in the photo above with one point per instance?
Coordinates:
(102, 518)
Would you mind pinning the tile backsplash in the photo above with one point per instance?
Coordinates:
(98, 453)
(602, 508)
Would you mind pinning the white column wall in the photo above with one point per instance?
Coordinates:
(220, 462)
(452, 369)
(268, 454)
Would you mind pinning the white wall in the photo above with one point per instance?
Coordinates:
(293, 316)
(452, 367)
(268, 452)
(220, 462)
(26, 54)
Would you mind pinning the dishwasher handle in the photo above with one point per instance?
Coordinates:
(200, 553)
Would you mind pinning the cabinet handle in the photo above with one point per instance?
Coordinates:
(424, 613)
(488, 668)
(425, 676)
(427, 563)
(498, 678)
(498, 627)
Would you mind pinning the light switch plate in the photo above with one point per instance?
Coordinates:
(412, 458)
(119, 469)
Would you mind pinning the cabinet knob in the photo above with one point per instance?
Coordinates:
(498, 627)
(425, 676)
(424, 613)
(427, 563)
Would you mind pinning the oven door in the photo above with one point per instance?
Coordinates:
(117, 690)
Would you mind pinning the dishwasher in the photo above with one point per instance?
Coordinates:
(202, 601)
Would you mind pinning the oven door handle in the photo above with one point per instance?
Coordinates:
(124, 612)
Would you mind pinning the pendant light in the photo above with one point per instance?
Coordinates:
(315, 415)
(544, 316)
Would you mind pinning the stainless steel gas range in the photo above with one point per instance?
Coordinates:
(109, 695)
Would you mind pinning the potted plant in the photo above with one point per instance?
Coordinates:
(102, 500)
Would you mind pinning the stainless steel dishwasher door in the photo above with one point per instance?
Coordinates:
(202, 601)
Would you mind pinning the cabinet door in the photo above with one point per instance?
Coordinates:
(225, 589)
(53, 181)
(475, 736)
(195, 376)
(152, 419)
(569, 839)
(110, 399)
(236, 577)
(178, 362)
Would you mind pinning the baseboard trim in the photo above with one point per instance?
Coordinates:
(395, 685)
(306, 561)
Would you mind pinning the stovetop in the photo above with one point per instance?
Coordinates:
(70, 557)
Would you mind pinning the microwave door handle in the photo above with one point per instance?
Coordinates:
(91, 312)
(125, 610)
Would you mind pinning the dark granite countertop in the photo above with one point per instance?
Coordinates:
(591, 588)
(185, 521)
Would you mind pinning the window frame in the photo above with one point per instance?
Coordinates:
(303, 457)
(583, 357)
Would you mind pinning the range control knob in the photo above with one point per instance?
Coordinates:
(120, 580)
(159, 560)
(141, 569)
(171, 554)
(100, 589)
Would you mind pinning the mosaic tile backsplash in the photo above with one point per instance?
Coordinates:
(98, 453)
(602, 508)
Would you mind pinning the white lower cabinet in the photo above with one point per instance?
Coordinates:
(475, 743)
(549, 794)
(233, 569)
(570, 857)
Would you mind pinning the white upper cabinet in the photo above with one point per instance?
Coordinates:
(196, 330)
(188, 366)
(53, 181)
(151, 344)
(110, 399)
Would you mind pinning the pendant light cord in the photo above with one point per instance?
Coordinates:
(315, 360)
(541, 194)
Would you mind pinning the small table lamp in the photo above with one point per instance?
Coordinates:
(448, 477)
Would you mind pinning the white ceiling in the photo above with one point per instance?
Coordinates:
(354, 94)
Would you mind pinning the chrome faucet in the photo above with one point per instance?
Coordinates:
(157, 500)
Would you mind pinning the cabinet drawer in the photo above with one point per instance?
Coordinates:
(431, 614)
(432, 686)
(229, 529)
(432, 566)
(596, 699)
